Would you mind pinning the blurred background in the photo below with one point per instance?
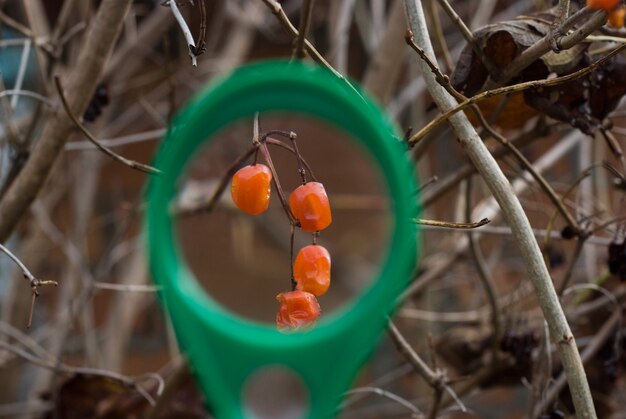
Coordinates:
(99, 345)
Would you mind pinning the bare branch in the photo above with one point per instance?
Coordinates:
(514, 213)
(130, 163)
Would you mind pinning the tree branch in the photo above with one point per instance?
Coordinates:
(516, 218)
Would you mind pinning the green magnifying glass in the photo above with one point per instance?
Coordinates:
(227, 351)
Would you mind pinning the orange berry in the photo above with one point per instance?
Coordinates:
(311, 270)
(607, 5)
(616, 17)
(309, 204)
(298, 309)
(250, 188)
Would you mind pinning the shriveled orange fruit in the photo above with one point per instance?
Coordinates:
(309, 204)
(250, 188)
(311, 270)
(298, 309)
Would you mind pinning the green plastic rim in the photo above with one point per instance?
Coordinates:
(224, 348)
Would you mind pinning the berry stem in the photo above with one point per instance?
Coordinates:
(278, 143)
(286, 134)
(293, 279)
(292, 137)
(279, 189)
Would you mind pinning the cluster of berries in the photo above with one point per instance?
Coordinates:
(616, 14)
(99, 100)
(617, 259)
(308, 203)
(519, 345)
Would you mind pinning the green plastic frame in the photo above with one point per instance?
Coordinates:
(224, 348)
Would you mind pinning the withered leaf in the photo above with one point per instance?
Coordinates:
(583, 103)
(97, 397)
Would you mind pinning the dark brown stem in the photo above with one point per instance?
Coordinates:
(32, 309)
(436, 404)
(279, 189)
(291, 239)
(201, 43)
(301, 171)
(280, 144)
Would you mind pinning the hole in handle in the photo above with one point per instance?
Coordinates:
(275, 392)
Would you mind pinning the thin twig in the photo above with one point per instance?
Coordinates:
(33, 282)
(303, 28)
(439, 35)
(615, 147)
(485, 277)
(27, 93)
(201, 42)
(436, 379)
(21, 72)
(277, 143)
(130, 163)
(67, 369)
(7, 114)
(9, 21)
(181, 371)
(118, 141)
(447, 224)
(461, 26)
(384, 393)
(191, 44)
(543, 183)
(301, 170)
(126, 287)
(278, 11)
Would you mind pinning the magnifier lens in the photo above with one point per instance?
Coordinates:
(243, 261)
